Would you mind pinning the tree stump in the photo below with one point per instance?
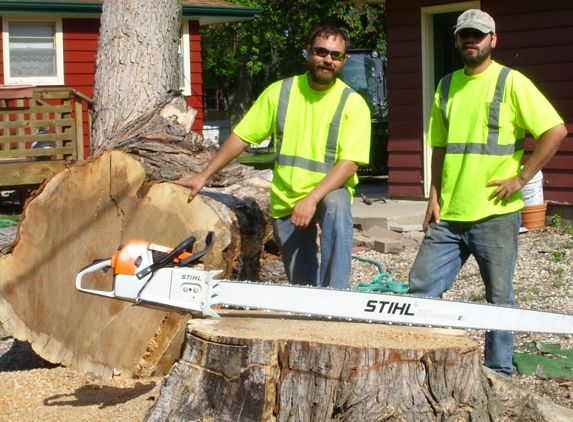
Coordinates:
(256, 366)
(86, 212)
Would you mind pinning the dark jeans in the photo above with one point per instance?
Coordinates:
(493, 243)
(299, 248)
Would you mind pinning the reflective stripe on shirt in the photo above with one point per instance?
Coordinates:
(492, 146)
(332, 139)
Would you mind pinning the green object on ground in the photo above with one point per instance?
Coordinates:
(383, 282)
(6, 223)
(556, 364)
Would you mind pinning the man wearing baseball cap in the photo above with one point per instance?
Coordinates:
(477, 133)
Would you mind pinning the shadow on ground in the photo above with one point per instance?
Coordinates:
(19, 356)
(101, 395)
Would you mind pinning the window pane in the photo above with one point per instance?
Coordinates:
(32, 49)
(181, 71)
(210, 99)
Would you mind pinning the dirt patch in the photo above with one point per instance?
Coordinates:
(32, 389)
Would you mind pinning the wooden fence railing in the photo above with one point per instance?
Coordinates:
(42, 134)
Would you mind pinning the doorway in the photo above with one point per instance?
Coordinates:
(439, 57)
(446, 56)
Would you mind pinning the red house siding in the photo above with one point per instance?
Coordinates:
(80, 49)
(535, 38)
(1, 55)
(80, 38)
(405, 127)
(196, 98)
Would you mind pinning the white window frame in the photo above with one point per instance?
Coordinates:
(186, 53)
(59, 41)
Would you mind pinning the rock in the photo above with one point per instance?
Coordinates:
(381, 233)
(389, 241)
(407, 228)
(386, 246)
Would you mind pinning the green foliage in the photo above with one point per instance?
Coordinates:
(555, 220)
(558, 256)
(12, 217)
(568, 229)
(559, 272)
(7, 220)
(270, 47)
(259, 160)
(477, 297)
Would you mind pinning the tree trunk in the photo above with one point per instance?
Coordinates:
(84, 213)
(239, 95)
(136, 66)
(260, 367)
(88, 210)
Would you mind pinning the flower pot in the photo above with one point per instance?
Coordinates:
(533, 216)
(16, 91)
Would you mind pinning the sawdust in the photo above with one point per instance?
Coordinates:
(32, 389)
(270, 325)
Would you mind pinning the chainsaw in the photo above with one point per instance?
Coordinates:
(175, 279)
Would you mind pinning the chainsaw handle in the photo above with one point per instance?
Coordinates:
(178, 250)
(209, 242)
(97, 265)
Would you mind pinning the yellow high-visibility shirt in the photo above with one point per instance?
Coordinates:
(302, 141)
(481, 121)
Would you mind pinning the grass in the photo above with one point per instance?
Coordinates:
(5, 219)
(260, 160)
(12, 217)
(558, 256)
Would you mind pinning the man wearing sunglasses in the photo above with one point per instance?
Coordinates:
(321, 130)
(477, 131)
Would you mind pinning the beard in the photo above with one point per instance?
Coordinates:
(471, 60)
(320, 78)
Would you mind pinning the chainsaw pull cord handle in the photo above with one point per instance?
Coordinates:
(179, 249)
(209, 242)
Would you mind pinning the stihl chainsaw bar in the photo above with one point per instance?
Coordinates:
(157, 276)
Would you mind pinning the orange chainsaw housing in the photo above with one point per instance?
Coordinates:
(124, 262)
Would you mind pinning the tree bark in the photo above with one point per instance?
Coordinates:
(84, 213)
(136, 66)
(259, 367)
(239, 94)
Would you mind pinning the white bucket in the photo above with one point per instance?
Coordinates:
(532, 192)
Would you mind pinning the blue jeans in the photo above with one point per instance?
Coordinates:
(299, 248)
(493, 243)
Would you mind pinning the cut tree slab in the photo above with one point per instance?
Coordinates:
(251, 366)
(86, 212)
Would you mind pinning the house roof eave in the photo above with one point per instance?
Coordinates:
(205, 14)
(83, 8)
(214, 15)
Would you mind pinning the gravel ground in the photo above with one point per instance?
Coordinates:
(543, 280)
(31, 389)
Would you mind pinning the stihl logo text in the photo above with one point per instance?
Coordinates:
(385, 307)
(191, 277)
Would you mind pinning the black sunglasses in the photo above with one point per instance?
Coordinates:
(323, 52)
(466, 33)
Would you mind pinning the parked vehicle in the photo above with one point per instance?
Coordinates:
(365, 72)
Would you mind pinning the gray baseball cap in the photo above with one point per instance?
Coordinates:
(475, 19)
